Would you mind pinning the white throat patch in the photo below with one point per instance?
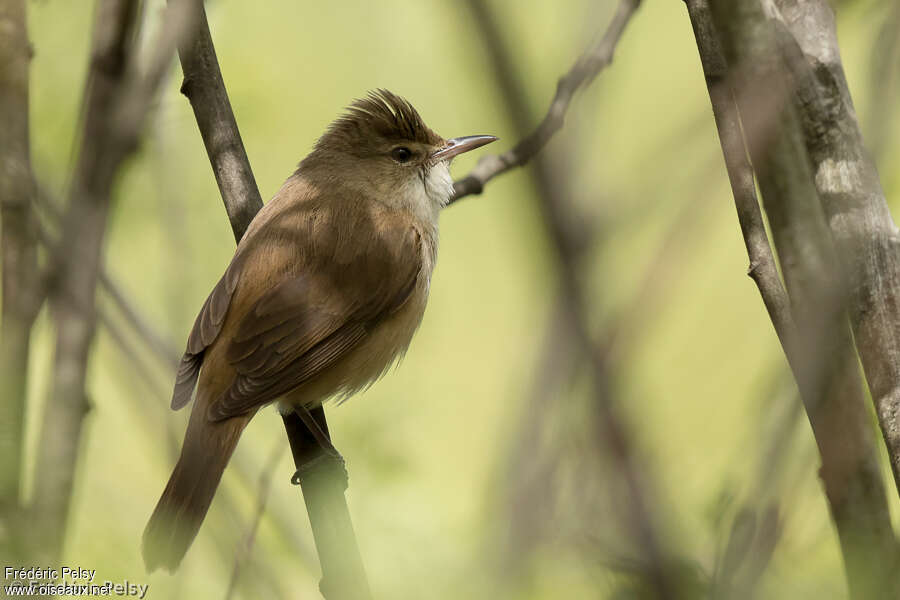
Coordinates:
(439, 184)
(425, 196)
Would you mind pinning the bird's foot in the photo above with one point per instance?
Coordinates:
(322, 462)
(326, 458)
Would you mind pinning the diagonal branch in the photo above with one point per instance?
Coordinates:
(164, 351)
(324, 480)
(763, 269)
(597, 57)
(115, 332)
(264, 487)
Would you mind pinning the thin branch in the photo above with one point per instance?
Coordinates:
(163, 349)
(117, 99)
(763, 269)
(597, 57)
(822, 357)
(18, 256)
(128, 350)
(325, 479)
(264, 487)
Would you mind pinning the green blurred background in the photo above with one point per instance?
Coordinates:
(440, 453)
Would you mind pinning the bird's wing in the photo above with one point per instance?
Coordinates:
(206, 328)
(358, 272)
(212, 316)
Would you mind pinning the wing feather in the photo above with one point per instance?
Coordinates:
(249, 392)
(206, 328)
(307, 323)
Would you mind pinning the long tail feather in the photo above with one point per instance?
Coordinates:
(181, 509)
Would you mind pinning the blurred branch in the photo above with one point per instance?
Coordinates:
(821, 356)
(130, 353)
(163, 350)
(865, 236)
(141, 326)
(117, 335)
(18, 256)
(567, 245)
(759, 521)
(324, 477)
(49, 209)
(596, 58)
(531, 464)
(116, 102)
(263, 488)
(749, 548)
(74, 267)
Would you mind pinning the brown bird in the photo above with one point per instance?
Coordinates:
(324, 293)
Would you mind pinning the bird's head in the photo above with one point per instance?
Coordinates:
(382, 144)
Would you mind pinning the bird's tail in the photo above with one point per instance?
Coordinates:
(180, 511)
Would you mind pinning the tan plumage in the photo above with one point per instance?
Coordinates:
(324, 292)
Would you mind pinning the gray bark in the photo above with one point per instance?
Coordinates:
(865, 236)
(826, 368)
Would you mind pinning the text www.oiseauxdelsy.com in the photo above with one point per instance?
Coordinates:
(65, 581)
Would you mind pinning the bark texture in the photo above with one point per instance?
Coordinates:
(865, 236)
(822, 356)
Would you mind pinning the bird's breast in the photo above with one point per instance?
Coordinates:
(385, 344)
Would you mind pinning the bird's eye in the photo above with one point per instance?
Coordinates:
(401, 154)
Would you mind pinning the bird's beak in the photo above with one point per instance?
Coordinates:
(462, 144)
